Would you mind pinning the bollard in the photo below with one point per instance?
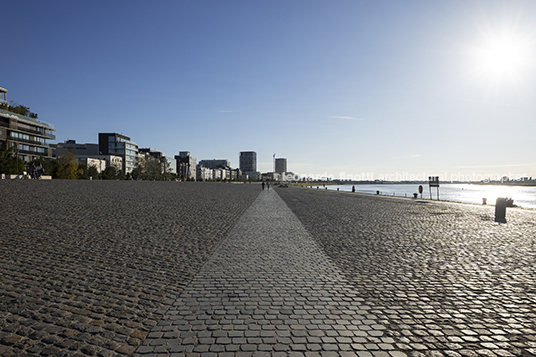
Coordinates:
(377, 192)
(484, 201)
(500, 210)
(415, 195)
(353, 188)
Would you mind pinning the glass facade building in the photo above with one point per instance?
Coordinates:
(120, 145)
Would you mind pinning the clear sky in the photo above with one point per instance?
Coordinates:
(377, 87)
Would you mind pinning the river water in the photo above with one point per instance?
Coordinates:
(523, 196)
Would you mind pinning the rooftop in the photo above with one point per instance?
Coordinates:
(9, 114)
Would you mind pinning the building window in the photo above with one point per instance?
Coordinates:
(20, 136)
(111, 139)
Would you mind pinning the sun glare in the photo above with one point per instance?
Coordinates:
(503, 56)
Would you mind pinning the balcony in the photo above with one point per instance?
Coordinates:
(25, 141)
(27, 119)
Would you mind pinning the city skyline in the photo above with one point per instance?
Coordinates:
(347, 87)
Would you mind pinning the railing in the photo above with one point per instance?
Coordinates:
(23, 117)
(43, 133)
(34, 142)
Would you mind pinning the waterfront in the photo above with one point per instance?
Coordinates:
(523, 196)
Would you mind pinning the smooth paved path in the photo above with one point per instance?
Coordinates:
(269, 290)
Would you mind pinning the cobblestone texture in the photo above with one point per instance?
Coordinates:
(444, 279)
(157, 269)
(269, 289)
(90, 267)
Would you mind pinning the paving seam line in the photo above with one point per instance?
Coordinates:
(268, 288)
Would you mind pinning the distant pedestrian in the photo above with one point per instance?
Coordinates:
(263, 185)
(40, 170)
(31, 171)
(268, 185)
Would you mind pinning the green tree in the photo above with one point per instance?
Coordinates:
(109, 173)
(150, 168)
(18, 108)
(68, 169)
(9, 162)
(93, 172)
(83, 171)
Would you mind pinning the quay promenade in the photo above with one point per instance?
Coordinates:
(199, 269)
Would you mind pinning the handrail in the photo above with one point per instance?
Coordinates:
(26, 118)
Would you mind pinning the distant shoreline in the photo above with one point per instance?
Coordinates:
(491, 183)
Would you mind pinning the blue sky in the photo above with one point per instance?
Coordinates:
(379, 87)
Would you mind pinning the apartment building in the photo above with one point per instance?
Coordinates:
(23, 132)
(120, 145)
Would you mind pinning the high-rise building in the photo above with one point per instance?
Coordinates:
(215, 164)
(186, 165)
(248, 161)
(280, 166)
(117, 144)
(21, 130)
(248, 164)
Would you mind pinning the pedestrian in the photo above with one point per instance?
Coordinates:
(31, 171)
(268, 185)
(40, 171)
(263, 185)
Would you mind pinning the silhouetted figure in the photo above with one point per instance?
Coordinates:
(263, 185)
(268, 185)
(40, 170)
(31, 171)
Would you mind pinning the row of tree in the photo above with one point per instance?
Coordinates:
(66, 167)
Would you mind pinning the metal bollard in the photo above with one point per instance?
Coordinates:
(500, 210)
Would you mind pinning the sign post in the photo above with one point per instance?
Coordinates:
(420, 190)
(433, 181)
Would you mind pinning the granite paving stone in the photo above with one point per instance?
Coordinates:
(90, 267)
(290, 295)
(218, 270)
(444, 278)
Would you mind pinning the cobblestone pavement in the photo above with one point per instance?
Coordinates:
(149, 268)
(90, 267)
(444, 279)
(269, 290)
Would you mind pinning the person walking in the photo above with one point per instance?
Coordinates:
(40, 171)
(263, 185)
(31, 171)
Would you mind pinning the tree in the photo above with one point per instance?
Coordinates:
(83, 171)
(9, 162)
(68, 167)
(109, 173)
(93, 172)
(151, 168)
